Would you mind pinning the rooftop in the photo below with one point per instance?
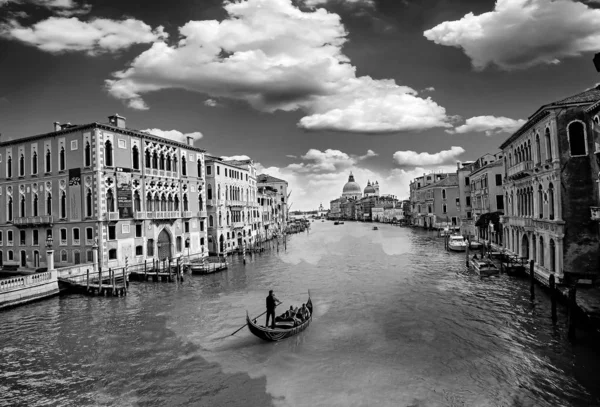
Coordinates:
(266, 178)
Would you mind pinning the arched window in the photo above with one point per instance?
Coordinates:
(63, 205)
(149, 202)
(226, 192)
(529, 150)
(227, 218)
(548, 142)
(22, 165)
(577, 142)
(148, 159)
(110, 201)
(170, 203)
(185, 203)
(22, 207)
(176, 203)
(552, 253)
(596, 119)
(199, 199)
(35, 204)
(210, 221)
(163, 203)
(150, 247)
(510, 159)
(9, 167)
(155, 160)
(540, 202)
(175, 164)
(541, 251)
(137, 202)
(538, 149)
(183, 166)
(135, 156)
(161, 163)
(178, 244)
(108, 153)
(61, 159)
(49, 204)
(48, 161)
(199, 168)
(168, 162)
(88, 203)
(88, 154)
(9, 209)
(443, 194)
(208, 192)
(551, 201)
(34, 163)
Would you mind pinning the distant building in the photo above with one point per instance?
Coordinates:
(433, 200)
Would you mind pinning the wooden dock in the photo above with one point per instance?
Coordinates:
(102, 283)
(157, 271)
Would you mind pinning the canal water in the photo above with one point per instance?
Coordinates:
(398, 322)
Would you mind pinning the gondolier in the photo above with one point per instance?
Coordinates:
(272, 302)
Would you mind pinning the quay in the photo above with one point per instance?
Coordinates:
(26, 288)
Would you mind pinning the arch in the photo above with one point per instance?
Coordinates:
(552, 253)
(61, 159)
(35, 204)
(551, 201)
(183, 166)
(88, 154)
(63, 205)
(538, 149)
(149, 206)
(34, 163)
(88, 202)
(163, 203)
(48, 161)
(548, 142)
(221, 244)
(22, 165)
(542, 260)
(137, 202)
(185, 202)
(540, 202)
(577, 138)
(175, 163)
(168, 163)
(176, 203)
(49, 204)
(135, 158)
(154, 160)
(210, 221)
(148, 158)
(161, 161)
(9, 167)
(108, 153)
(163, 244)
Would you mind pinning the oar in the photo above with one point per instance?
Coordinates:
(242, 327)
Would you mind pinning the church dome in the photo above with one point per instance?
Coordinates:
(351, 187)
(370, 189)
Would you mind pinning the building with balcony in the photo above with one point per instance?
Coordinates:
(281, 200)
(433, 200)
(133, 194)
(232, 204)
(551, 187)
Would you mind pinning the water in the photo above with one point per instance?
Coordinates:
(398, 322)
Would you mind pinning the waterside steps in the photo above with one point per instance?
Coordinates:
(104, 283)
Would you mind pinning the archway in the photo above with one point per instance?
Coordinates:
(525, 247)
(23, 258)
(239, 239)
(36, 259)
(164, 245)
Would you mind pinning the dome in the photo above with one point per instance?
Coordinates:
(351, 187)
(370, 189)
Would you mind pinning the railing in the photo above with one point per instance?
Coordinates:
(24, 281)
(201, 214)
(595, 212)
(186, 214)
(527, 223)
(231, 202)
(211, 202)
(165, 214)
(238, 225)
(520, 169)
(139, 215)
(34, 220)
(148, 171)
(111, 215)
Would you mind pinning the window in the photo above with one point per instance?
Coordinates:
(577, 142)
(49, 204)
(210, 221)
(551, 201)
(498, 179)
(89, 235)
(444, 208)
(90, 256)
(209, 192)
(548, 145)
(63, 237)
(148, 163)
(178, 245)
(35, 204)
(63, 205)
(112, 254)
(135, 158)
(48, 161)
(76, 239)
(199, 168)
(201, 226)
(457, 201)
(110, 201)
(36, 237)
(9, 210)
(218, 170)
(183, 166)
(22, 238)
(61, 159)
(139, 250)
(76, 257)
(137, 202)
(499, 202)
(88, 203)
(150, 247)
(138, 230)
(9, 167)
(468, 203)
(208, 170)
(22, 207)
(87, 157)
(108, 153)
(469, 215)
(10, 255)
(1, 237)
(64, 256)
(186, 227)
(112, 232)
(34, 163)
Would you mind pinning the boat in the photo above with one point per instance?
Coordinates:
(457, 243)
(445, 232)
(475, 245)
(375, 228)
(336, 223)
(484, 267)
(341, 223)
(282, 329)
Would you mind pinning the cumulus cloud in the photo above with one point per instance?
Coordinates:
(60, 34)
(211, 103)
(235, 158)
(490, 125)
(314, 3)
(312, 182)
(291, 156)
(64, 8)
(412, 158)
(175, 135)
(522, 33)
(276, 56)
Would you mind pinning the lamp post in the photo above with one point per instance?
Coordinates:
(50, 253)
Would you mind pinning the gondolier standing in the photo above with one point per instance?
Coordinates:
(272, 302)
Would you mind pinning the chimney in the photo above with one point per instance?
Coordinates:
(57, 126)
(190, 141)
(117, 121)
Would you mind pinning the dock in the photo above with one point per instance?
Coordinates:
(168, 270)
(103, 283)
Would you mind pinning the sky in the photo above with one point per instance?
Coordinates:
(311, 90)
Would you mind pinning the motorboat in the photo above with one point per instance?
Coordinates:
(336, 223)
(375, 228)
(484, 267)
(475, 245)
(457, 243)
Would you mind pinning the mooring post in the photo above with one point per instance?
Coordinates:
(88, 281)
(111, 283)
(532, 278)
(552, 283)
(99, 281)
(572, 308)
(467, 257)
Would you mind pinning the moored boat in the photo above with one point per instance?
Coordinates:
(475, 245)
(336, 223)
(375, 228)
(457, 243)
(484, 267)
(282, 329)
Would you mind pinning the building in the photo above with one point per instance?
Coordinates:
(335, 211)
(433, 200)
(351, 189)
(465, 210)
(232, 204)
(551, 187)
(322, 212)
(281, 187)
(100, 186)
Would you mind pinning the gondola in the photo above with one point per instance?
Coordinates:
(282, 329)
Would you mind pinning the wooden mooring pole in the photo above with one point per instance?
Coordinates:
(552, 283)
(88, 281)
(467, 257)
(572, 299)
(532, 278)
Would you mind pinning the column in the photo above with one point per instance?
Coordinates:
(530, 243)
(50, 259)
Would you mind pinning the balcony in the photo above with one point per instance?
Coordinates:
(202, 214)
(211, 202)
(595, 212)
(34, 221)
(139, 215)
(520, 170)
(238, 225)
(235, 203)
(166, 215)
(526, 223)
(111, 216)
(186, 214)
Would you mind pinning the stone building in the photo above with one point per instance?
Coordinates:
(465, 210)
(433, 200)
(552, 176)
(232, 203)
(281, 187)
(134, 195)
(351, 189)
(335, 211)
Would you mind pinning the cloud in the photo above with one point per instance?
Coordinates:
(291, 156)
(59, 34)
(65, 8)
(370, 153)
(412, 158)
(364, 3)
(519, 34)
(211, 103)
(429, 89)
(276, 56)
(175, 135)
(236, 158)
(490, 125)
(312, 182)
